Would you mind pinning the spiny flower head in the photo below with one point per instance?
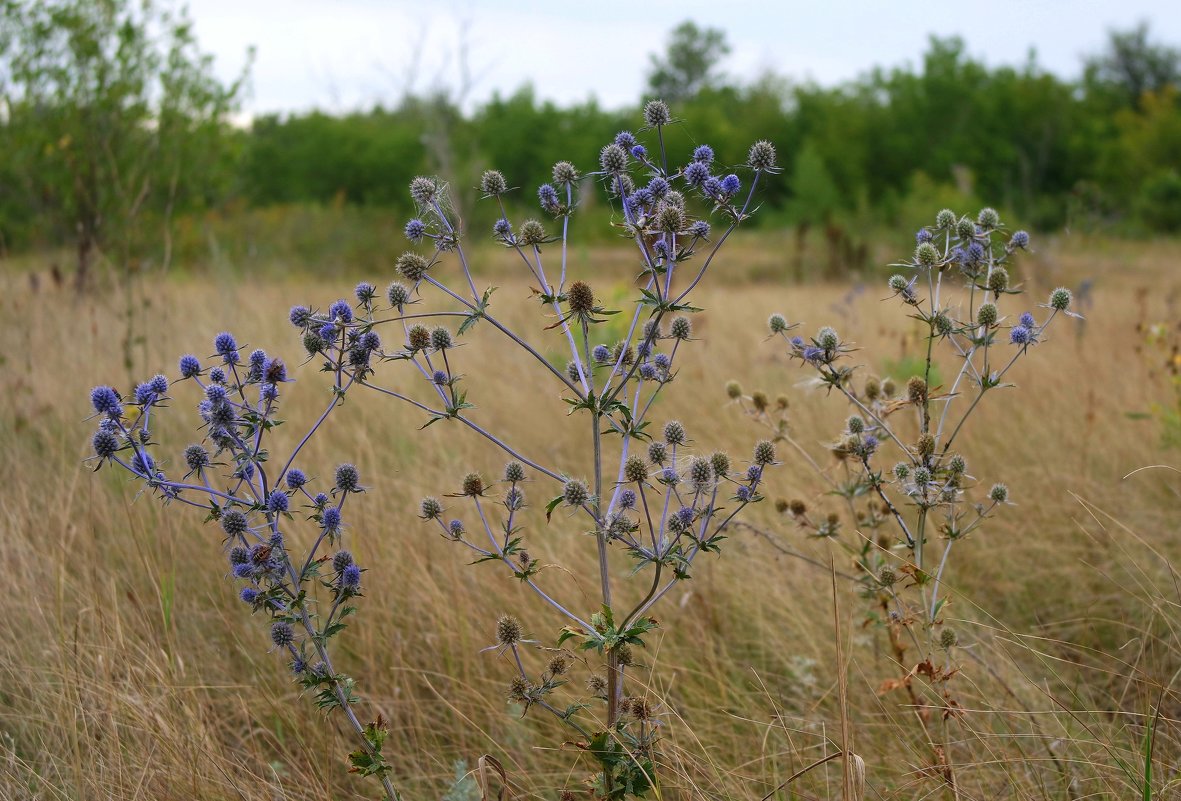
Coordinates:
(508, 630)
(300, 316)
(278, 501)
(440, 338)
(701, 472)
(1020, 239)
(105, 444)
(341, 559)
(988, 219)
(613, 159)
(635, 469)
(986, 315)
(581, 298)
(696, 173)
(945, 219)
(657, 452)
(415, 230)
(350, 578)
(397, 294)
(998, 280)
(575, 492)
(189, 366)
(226, 346)
(926, 255)
(680, 328)
(331, 519)
(764, 452)
(731, 184)
(703, 153)
(916, 389)
(965, 229)
(761, 156)
(674, 433)
(1020, 335)
(473, 485)
(656, 113)
(282, 634)
(564, 173)
(418, 337)
(106, 401)
(296, 478)
(627, 499)
(492, 182)
(601, 354)
(532, 233)
(431, 509)
(412, 265)
(424, 190)
(999, 493)
(234, 522)
(348, 479)
(514, 472)
(1060, 299)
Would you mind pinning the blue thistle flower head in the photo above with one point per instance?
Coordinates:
(365, 292)
(159, 384)
(658, 187)
(923, 235)
(105, 444)
(340, 560)
(217, 375)
(321, 500)
(456, 528)
(331, 519)
(627, 499)
(258, 357)
(300, 316)
(296, 478)
(244, 570)
(713, 187)
(601, 354)
(189, 366)
(282, 634)
(144, 394)
(350, 578)
(225, 346)
(743, 493)
(348, 479)
(216, 394)
(696, 173)
(1020, 335)
(439, 378)
(278, 501)
(106, 401)
(143, 463)
(248, 595)
(502, 229)
(703, 153)
(648, 371)
(625, 140)
(341, 310)
(328, 332)
(1020, 239)
(731, 184)
(548, 196)
(700, 229)
(370, 341)
(415, 230)
(1027, 320)
(662, 360)
(639, 151)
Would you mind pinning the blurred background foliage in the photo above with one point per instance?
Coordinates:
(116, 139)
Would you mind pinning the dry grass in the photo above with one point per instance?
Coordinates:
(128, 669)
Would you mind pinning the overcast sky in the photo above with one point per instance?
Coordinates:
(343, 54)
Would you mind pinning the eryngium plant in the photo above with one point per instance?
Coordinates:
(642, 489)
(282, 538)
(906, 489)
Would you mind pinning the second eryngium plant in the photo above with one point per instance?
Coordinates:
(643, 489)
(907, 491)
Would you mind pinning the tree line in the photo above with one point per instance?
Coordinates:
(112, 125)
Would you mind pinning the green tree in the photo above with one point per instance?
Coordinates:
(111, 114)
(1132, 66)
(689, 63)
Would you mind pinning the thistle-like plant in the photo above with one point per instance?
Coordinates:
(641, 488)
(906, 491)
